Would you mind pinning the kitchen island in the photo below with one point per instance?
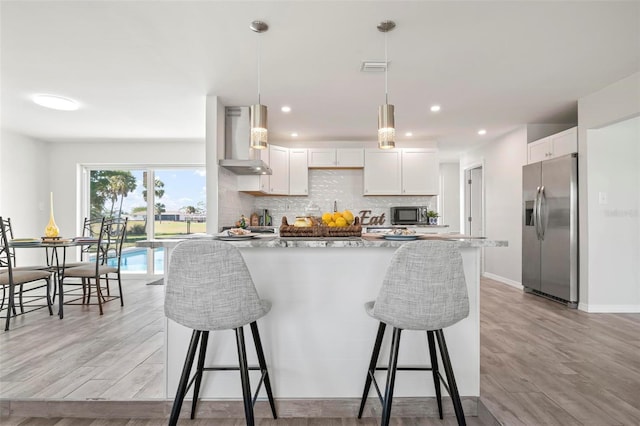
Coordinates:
(318, 338)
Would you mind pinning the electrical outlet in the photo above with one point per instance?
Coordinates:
(602, 198)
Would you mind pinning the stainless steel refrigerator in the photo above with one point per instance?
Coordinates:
(550, 228)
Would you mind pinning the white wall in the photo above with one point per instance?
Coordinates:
(613, 104)
(449, 198)
(24, 195)
(502, 160)
(614, 171)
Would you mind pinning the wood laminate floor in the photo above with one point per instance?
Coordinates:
(541, 363)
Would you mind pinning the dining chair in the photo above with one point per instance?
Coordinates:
(104, 267)
(23, 278)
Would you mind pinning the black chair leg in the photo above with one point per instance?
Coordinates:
(120, 289)
(263, 367)
(49, 295)
(184, 378)
(10, 306)
(60, 299)
(451, 380)
(372, 367)
(199, 371)
(391, 377)
(434, 370)
(244, 377)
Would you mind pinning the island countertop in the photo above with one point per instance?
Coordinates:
(373, 240)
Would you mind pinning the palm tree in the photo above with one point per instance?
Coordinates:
(158, 187)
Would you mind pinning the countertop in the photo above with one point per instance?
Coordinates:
(271, 241)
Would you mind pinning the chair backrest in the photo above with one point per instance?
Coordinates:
(424, 287)
(90, 228)
(110, 241)
(7, 254)
(209, 287)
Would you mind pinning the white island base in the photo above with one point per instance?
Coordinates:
(318, 339)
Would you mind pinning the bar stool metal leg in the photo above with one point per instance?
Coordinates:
(372, 367)
(199, 371)
(391, 377)
(244, 377)
(451, 380)
(434, 369)
(184, 378)
(263, 367)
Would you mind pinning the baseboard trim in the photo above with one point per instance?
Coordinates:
(503, 280)
(160, 409)
(609, 309)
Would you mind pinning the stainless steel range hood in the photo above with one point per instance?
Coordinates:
(239, 157)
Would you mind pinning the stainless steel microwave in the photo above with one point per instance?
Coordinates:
(409, 215)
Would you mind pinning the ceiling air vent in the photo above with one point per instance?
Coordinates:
(373, 66)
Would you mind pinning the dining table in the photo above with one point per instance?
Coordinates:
(55, 253)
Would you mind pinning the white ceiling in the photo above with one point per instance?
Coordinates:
(142, 69)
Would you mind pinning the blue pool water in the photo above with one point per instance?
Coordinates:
(135, 260)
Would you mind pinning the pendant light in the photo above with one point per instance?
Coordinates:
(258, 112)
(386, 119)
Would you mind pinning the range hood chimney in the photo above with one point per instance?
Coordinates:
(239, 157)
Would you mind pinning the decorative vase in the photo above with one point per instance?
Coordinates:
(433, 221)
(51, 231)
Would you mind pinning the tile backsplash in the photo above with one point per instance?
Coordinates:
(345, 187)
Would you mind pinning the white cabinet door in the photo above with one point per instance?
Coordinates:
(279, 163)
(382, 172)
(350, 157)
(298, 172)
(420, 172)
(322, 157)
(539, 150)
(564, 143)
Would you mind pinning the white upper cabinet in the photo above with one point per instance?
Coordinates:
(336, 157)
(322, 157)
(298, 172)
(407, 171)
(382, 172)
(279, 163)
(563, 143)
(350, 157)
(420, 172)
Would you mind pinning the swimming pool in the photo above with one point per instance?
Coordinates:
(134, 259)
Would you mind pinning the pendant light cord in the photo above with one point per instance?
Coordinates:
(258, 47)
(386, 70)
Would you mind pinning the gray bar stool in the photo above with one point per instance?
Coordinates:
(424, 289)
(209, 288)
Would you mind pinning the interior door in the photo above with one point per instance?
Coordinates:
(473, 202)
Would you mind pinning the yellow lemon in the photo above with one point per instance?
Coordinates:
(341, 221)
(336, 215)
(331, 224)
(327, 217)
(348, 216)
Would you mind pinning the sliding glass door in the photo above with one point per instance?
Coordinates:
(174, 208)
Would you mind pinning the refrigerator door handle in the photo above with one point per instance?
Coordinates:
(536, 213)
(542, 205)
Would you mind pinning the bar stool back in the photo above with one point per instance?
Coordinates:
(210, 288)
(424, 289)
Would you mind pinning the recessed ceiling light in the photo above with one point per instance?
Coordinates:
(408, 134)
(294, 135)
(56, 102)
(435, 108)
(285, 109)
(482, 132)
